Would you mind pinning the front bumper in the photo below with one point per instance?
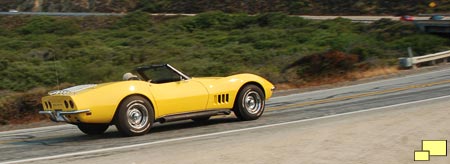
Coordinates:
(60, 116)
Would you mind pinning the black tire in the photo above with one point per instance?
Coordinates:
(249, 103)
(135, 116)
(93, 129)
(201, 119)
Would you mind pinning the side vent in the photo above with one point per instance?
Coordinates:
(222, 98)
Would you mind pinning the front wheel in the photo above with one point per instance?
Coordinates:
(249, 104)
(93, 129)
(135, 116)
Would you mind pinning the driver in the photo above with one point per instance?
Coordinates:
(129, 76)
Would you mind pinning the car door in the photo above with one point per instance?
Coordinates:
(179, 97)
(174, 92)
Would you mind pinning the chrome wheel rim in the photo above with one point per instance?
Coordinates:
(137, 116)
(252, 102)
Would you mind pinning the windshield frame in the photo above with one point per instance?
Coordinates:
(142, 71)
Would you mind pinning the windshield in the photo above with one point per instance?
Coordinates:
(160, 74)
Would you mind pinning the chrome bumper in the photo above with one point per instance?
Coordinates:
(59, 116)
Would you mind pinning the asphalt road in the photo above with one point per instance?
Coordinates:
(66, 144)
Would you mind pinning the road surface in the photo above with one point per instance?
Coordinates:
(377, 122)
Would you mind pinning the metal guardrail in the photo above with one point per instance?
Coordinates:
(412, 62)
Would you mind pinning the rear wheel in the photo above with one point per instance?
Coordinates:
(93, 129)
(250, 103)
(135, 116)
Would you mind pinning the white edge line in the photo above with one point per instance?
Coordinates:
(216, 133)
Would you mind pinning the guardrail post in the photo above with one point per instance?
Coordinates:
(406, 63)
(411, 56)
(410, 53)
(433, 62)
(432, 59)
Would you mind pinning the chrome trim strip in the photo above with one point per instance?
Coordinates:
(190, 115)
(59, 116)
(45, 112)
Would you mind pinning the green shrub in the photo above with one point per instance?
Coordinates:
(388, 30)
(49, 25)
(153, 6)
(421, 44)
(136, 21)
(216, 20)
(3, 64)
(249, 43)
(24, 75)
(281, 20)
(69, 43)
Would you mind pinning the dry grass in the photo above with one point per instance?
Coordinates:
(350, 76)
(374, 72)
(23, 107)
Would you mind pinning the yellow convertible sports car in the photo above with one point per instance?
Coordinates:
(160, 93)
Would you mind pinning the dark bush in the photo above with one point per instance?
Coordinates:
(49, 25)
(388, 30)
(328, 63)
(21, 105)
(421, 44)
(216, 20)
(3, 64)
(136, 21)
(277, 19)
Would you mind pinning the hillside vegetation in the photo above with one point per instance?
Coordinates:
(38, 53)
(308, 7)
